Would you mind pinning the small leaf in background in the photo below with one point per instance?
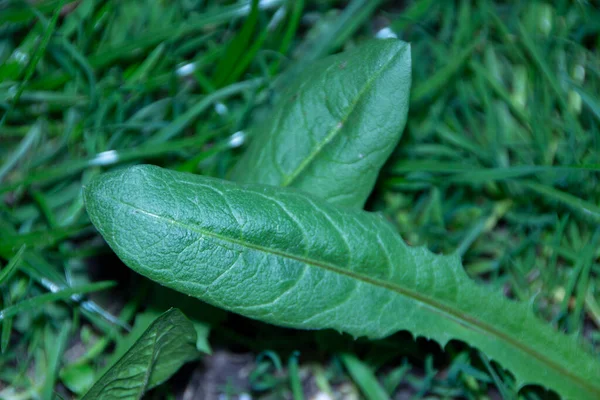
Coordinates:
(163, 348)
(335, 126)
(142, 321)
(287, 258)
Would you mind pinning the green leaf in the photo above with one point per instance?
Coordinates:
(142, 321)
(348, 111)
(285, 257)
(166, 345)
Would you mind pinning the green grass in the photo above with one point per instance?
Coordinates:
(499, 163)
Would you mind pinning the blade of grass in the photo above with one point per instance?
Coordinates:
(413, 14)
(24, 146)
(37, 56)
(541, 64)
(51, 99)
(395, 377)
(531, 48)
(501, 92)
(364, 378)
(12, 265)
(476, 174)
(142, 72)
(583, 284)
(39, 239)
(55, 347)
(106, 158)
(234, 51)
(592, 306)
(553, 263)
(455, 136)
(290, 33)
(47, 276)
(7, 323)
(43, 299)
(22, 12)
(136, 46)
(87, 69)
(484, 225)
(42, 203)
(575, 203)
(499, 174)
(294, 374)
(181, 122)
(354, 15)
(152, 38)
(591, 103)
(432, 86)
(506, 393)
(248, 56)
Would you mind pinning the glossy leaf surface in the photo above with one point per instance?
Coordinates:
(167, 344)
(288, 258)
(335, 126)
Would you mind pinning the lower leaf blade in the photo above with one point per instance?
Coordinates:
(167, 344)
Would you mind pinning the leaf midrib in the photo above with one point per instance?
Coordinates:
(150, 364)
(337, 128)
(432, 304)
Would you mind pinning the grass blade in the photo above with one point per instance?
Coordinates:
(364, 377)
(575, 203)
(12, 265)
(37, 56)
(64, 294)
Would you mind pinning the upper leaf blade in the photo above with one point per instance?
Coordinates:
(284, 257)
(348, 110)
(167, 344)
